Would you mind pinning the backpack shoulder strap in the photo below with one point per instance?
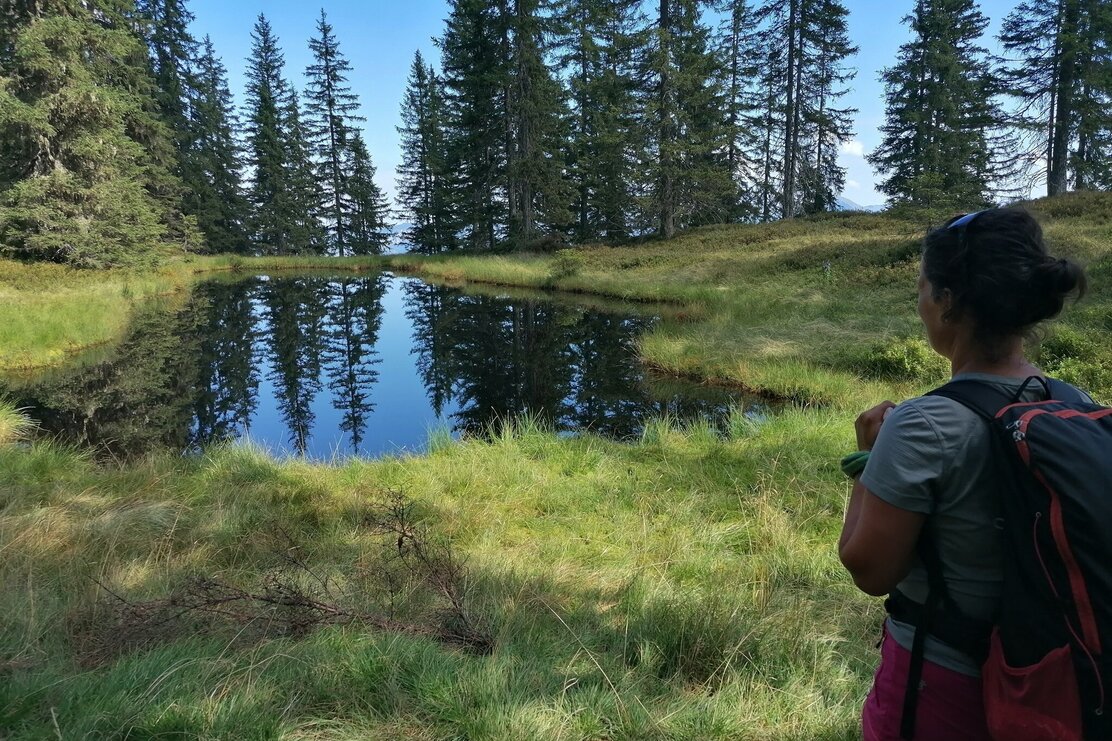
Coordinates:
(1062, 391)
(987, 400)
(983, 398)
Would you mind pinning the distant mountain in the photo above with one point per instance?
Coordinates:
(397, 244)
(845, 204)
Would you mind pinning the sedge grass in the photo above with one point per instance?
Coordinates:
(681, 587)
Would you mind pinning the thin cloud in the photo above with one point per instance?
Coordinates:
(853, 147)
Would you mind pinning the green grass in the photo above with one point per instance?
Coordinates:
(817, 309)
(682, 587)
(50, 313)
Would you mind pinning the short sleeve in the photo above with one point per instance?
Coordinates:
(906, 461)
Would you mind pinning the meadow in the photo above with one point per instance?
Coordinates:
(685, 586)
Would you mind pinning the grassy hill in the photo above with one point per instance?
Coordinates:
(529, 586)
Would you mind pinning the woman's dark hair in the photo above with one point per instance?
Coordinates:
(999, 274)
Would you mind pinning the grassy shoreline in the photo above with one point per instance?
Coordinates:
(681, 587)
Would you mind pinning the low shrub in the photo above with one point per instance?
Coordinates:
(566, 264)
(1066, 343)
(904, 359)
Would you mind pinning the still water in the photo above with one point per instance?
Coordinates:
(326, 366)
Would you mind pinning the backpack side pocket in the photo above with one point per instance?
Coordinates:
(1040, 702)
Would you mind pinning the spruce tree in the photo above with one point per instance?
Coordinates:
(283, 192)
(474, 69)
(692, 179)
(741, 54)
(329, 115)
(422, 177)
(307, 234)
(598, 49)
(825, 125)
(619, 144)
(1059, 70)
(301, 217)
(1093, 158)
(84, 174)
(365, 210)
(539, 194)
(770, 81)
(800, 66)
(935, 152)
(221, 208)
(173, 51)
(267, 101)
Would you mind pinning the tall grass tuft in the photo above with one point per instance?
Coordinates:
(13, 423)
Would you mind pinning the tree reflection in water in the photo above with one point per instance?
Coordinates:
(314, 365)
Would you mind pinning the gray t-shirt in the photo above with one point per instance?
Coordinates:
(932, 456)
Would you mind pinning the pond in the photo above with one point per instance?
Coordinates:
(326, 366)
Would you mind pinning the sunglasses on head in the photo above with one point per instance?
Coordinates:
(962, 223)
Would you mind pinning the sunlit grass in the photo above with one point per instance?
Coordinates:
(13, 424)
(684, 586)
(801, 309)
(50, 313)
(680, 588)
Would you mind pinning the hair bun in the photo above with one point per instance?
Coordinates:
(1061, 277)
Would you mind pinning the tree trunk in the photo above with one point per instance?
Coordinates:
(1057, 180)
(667, 186)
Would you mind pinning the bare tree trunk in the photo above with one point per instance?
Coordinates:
(1057, 180)
(791, 118)
(667, 134)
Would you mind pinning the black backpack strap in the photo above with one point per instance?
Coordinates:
(983, 398)
(986, 399)
(1062, 391)
(936, 595)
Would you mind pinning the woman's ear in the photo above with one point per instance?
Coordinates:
(945, 300)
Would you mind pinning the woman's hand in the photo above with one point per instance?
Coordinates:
(869, 422)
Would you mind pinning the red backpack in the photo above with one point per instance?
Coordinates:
(1045, 672)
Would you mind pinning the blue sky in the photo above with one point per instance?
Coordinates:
(379, 37)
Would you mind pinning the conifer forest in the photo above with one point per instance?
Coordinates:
(543, 123)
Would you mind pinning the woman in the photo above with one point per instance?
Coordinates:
(986, 281)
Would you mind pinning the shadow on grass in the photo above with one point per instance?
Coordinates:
(567, 661)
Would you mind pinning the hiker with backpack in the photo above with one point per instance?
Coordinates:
(983, 510)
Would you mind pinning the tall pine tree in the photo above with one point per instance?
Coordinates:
(302, 214)
(364, 208)
(330, 113)
(539, 194)
(221, 208)
(474, 68)
(800, 65)
(935, 152)
(267, 97)
(692, 183)
(599, 44)
(825, 125)
(1059, 70)
(85, 158)
(423, 181)
(283, 191)
(173, 51)
(740, 51)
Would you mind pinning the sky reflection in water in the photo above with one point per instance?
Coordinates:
(364, 365)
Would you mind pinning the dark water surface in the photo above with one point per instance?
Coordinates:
(365, 365)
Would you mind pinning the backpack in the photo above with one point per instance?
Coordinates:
(1045, 674)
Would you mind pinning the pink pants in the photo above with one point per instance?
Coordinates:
(950, 705)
